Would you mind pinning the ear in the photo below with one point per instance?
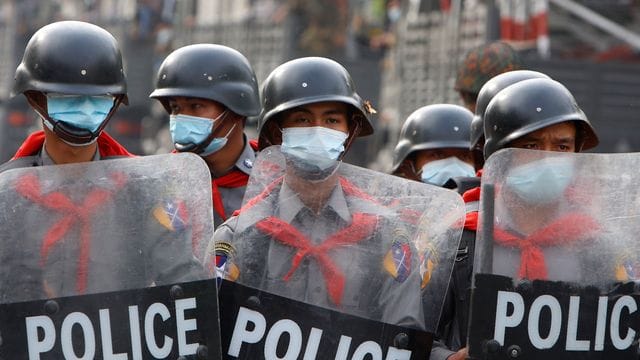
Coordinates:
(274, 132)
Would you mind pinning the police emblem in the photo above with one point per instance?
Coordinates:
(428, 261)
(223, 265)
(628, 268)
(171, 214)
(397, 261)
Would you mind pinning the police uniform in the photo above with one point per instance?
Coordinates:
(221, 74)
(33, 153)
(50, 265)
(228, 190)
(369, 290)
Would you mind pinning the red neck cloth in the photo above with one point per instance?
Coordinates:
(361, 227)
(568, 229)
(107, 146)
(29, 187)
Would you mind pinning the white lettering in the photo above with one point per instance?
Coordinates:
(534, 322)
(149, 334)
(313, 344)
(573, 344)
(36, 346)
(136, 340)
(343, 347)
(87, 332)
(502, 319)
(295, 340)
(185, 325)
(398, 354)
(623, 302)
(368, 348)
(601, 323)
(105, 335)
(241, 334)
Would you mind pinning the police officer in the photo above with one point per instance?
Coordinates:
(434, 145)
(538, 114)
(311, 108)
(72, 76)
(487, 92)
(480, 65)
(209, 91)
(454, 315)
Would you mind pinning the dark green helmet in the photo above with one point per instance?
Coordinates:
(209, 71)
(531, 105)
(305, 81)
(71, 57)
(433, 127)
(484, 62)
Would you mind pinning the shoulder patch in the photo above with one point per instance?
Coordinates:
(628, 269)
(171, 215)
(223, 265)
(427, 263)
(397, 261)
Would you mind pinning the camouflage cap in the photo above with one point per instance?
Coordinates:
(484, 62)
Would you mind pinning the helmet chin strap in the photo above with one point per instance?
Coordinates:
(352, 135)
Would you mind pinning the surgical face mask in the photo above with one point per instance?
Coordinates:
(440, 171)
(187, 129)
(317, 147)
(80, 111)
(542, 181)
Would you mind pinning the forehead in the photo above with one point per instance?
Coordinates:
(561, 130)
(184, 99)
(322, 107)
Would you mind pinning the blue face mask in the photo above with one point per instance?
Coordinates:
(541, 182)
(315, 145)
(440, 171)
(187, 129)
(82, 112)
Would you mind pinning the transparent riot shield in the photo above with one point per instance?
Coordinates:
(333, 261)
(557, 257)
(100, 260)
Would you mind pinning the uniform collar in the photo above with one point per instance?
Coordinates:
(45, 159)
(289, 204)
(247, 158)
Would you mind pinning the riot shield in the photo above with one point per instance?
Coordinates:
(333, 261)
(100, 260)
(557, 257)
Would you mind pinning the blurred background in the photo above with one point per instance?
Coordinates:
(402, 54)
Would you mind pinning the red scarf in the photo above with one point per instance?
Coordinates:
(234, 179)
(566, 230)
(107, 146)
(81, 214)
(361, 227)
(471, 217)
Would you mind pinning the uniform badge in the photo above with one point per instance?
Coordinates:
(397, 261)
(427, 264)
(171, 215)
(224, 266)
(628, 269)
